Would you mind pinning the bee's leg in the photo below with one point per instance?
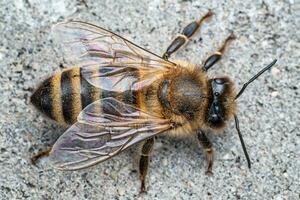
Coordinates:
(185, 35)
(214, 58)
(144, 161)
(39, 155)
(209, 152)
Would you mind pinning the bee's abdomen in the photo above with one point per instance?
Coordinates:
(42, 99)
(62, 96)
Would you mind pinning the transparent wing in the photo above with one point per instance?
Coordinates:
(107, 59)
(121, 77)
(98, 136)
(86, 42)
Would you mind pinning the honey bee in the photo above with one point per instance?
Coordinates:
(122, 94)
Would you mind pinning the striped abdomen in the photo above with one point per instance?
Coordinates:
(62, 96)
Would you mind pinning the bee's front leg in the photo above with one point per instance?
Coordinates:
(144, 161)
(214, 58)
(185, 35)
(209, 152)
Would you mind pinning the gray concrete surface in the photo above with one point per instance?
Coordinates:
(269, 110)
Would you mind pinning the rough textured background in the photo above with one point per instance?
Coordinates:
(269, 110)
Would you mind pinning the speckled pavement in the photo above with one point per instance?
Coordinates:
(268, 111)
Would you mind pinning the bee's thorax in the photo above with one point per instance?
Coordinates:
(181, 95)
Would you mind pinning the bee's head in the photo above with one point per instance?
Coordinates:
(221, 107)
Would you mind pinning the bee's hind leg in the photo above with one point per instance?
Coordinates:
(185, 35)
(209, 152)
(40, 155)
(144, 161)
(214, 58)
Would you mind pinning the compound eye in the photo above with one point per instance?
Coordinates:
(215, 114)
(218, 87)
(219, 80)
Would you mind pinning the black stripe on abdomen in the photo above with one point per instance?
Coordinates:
(66, 96)
(88, 92)
(131, 96)
(128, 97)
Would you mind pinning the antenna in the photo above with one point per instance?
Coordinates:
(242, 141)
(236, 118)
(255, 77)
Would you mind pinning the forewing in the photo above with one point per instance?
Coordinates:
(107, 58)
(98, 136)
